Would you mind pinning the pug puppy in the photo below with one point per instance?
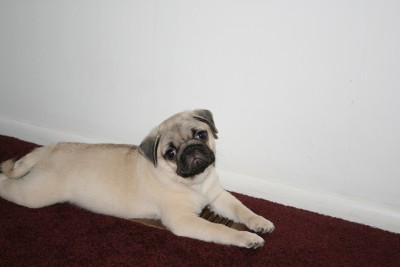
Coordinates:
(171, 176)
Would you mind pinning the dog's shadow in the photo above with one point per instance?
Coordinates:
(206, 214)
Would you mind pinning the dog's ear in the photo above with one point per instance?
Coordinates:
(206, 116)
(149, 146)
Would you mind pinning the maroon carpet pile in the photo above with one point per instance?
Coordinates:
(65, 235)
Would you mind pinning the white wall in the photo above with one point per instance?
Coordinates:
(304, 93)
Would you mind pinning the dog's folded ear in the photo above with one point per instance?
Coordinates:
(149, 146)
(206, 116)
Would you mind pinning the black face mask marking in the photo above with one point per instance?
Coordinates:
(193, 159)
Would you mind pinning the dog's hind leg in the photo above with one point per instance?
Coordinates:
(33, 190)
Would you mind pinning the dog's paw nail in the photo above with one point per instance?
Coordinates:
(268, 230)
(261, 225)
(255, 245)
(251, 240)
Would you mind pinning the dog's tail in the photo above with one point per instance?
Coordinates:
(17, 169)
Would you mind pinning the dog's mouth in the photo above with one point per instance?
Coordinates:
(194, 159)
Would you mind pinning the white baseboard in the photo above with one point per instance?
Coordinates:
(304, 198)
(42, 135)
(325, 203)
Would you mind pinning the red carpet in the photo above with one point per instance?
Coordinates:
(64, 235)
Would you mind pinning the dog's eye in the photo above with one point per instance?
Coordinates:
(201, 135)
(171, 153)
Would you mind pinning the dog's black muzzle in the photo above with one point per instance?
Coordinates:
(193, 158)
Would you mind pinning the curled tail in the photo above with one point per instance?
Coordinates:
(17, 169)
(7, 167)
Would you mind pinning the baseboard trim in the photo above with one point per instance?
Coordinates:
(325, 203)
(42, 135)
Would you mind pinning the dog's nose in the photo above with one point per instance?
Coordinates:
(194, 159)
(194, 150)
(194, 156)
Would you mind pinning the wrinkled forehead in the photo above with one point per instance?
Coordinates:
(183, 127)
(178, 131)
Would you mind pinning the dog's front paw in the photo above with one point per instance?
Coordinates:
(260, 225)
(249, 240)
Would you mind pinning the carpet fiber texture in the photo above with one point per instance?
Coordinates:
(65, 235)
